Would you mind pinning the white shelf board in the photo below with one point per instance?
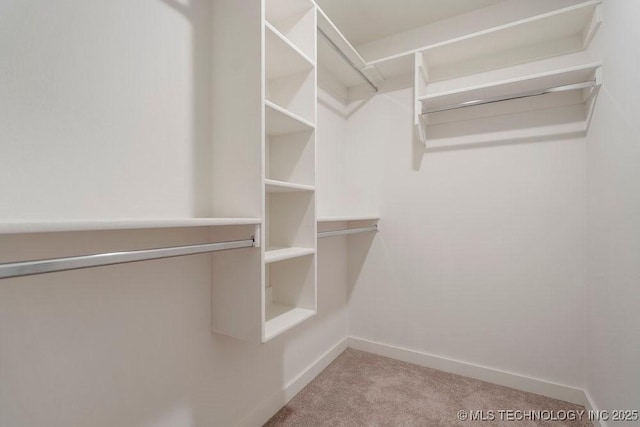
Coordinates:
(283, 58)
(280, 121)
(349, 218)
(555, 78)
(569, 24)
(281, 318)
(275, 254)
(274, 186)
(56, 225)
(331, 62)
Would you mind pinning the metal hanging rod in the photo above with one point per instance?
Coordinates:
(520, 95)
(323, 234)
(29, 268)
(346, 58)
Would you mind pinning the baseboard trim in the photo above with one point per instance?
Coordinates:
(495, 376)
(266, 410)
(273, 404)
(590, 406)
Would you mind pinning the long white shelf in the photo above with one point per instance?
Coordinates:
(274, 186)
(554, 78)
(331, 62)
(283, 57)
(57, 225)
(275, 254)
(281, 318)
(280, 121)
(561, 31)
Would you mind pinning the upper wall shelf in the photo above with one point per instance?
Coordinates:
(519, 85)
(333, 69)
(550, 34)
(44, 226)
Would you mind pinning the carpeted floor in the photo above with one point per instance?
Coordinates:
(362, 389)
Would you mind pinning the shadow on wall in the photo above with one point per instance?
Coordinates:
(197, 13)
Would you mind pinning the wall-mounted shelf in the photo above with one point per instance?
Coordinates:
(557, 103)
(274, 186)
(61, 225)
(275, 254)
(281, 318)
(337, 70)
(279, 121)
(347, 225)
(515, 87)
(550, 34)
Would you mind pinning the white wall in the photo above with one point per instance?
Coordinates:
(331, 172)
(103, 108)
(130, 345)
(481, 252)
(614, 214)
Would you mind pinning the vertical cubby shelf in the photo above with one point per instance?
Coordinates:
(289, 164)
(263, 165)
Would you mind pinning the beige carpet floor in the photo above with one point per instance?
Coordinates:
(362, 389)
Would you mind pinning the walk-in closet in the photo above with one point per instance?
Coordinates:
(319, 213)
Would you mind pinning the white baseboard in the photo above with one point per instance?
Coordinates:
(495, 376)
(590, 406)
(519, 382)
(261, 415)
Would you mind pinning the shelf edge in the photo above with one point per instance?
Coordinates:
(103, 224)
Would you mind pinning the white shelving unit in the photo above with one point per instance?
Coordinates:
(492, 86)
(559, 32)
(277, 118)
(520, 84)
(516, 104)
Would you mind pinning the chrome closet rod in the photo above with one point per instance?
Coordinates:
(520, 95)
(346, 58)
(322, 234)
(29, 268)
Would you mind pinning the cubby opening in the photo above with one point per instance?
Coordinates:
(290, 76)
(290, 220)
(290, 158)
(289, 295)
(295, 20)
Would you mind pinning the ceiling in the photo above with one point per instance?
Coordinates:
(362, 21)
